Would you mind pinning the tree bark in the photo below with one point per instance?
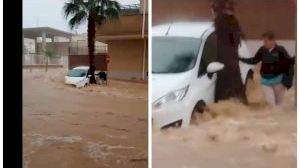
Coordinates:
(229, 82)
(91, 46)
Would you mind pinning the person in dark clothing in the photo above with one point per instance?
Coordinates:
(229, 34)
(275, 69)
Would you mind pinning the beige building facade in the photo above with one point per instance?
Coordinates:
(255, 17)
(127, 41)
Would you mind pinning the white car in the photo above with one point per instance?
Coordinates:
(78, 76)
(184, 70)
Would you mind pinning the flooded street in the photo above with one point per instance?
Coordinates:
(106, 126)
(97, 126)
(231, 135)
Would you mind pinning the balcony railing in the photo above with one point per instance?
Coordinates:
(132, 9)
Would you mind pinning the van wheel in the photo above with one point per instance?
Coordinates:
(197, 112)
(85, 85)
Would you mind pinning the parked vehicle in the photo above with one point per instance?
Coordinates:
(184, 70)
(78, 76)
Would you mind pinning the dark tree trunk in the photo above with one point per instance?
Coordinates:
(229, 82)
(91, 45)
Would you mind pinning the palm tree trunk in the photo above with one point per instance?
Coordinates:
(229, 82)
(91, 46)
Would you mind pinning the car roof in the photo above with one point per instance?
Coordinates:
(182, 29)
(82, 67)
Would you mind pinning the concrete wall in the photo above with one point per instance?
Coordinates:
(65, 60)
(255, 16)
(60, 48)
(127, 59)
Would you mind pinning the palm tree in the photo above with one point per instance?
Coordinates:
(229, 35)
(94, 12)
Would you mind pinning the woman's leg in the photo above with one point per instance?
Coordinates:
(269, 94)
(279, 93)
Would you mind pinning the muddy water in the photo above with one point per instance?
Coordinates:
(231, 135)
(66, 127)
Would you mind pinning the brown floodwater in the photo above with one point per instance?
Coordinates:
(107, 127)
(93, 127)
(232, 135)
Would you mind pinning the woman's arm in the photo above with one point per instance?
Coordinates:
(256, 59)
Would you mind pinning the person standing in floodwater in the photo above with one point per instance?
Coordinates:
(229, 81)
(276, 69)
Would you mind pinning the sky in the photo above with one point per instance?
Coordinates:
(41, 13)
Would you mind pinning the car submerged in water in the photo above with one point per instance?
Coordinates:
(78, 76)
(184, 71)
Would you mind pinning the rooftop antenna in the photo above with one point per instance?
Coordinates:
(167, 33)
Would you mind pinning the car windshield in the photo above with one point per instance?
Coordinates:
(174, 54)
(77, 73)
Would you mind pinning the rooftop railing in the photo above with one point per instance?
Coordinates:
(131, 9)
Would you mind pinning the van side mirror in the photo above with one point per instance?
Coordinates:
(214, 67)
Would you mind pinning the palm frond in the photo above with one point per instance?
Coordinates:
(99, 19)
(112, 13)
(100, 10)
(70, 9)
(114, 4)
(74, 6)
(79, 2)
(106, 10)
(77, 19)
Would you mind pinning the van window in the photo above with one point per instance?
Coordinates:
(174, 54)
(209, 53)
(77, 73)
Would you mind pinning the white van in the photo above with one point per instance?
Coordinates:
(78, 76)
(184, 71)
